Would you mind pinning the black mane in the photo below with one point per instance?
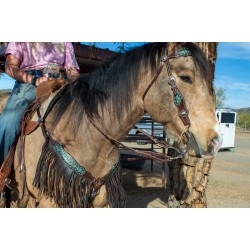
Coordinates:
(117, 79)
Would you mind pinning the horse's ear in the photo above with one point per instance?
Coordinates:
(171, 47)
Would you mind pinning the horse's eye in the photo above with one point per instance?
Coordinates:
(186, 79)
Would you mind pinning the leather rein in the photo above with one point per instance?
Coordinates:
(182, 112)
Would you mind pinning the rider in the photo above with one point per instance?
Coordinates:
(31, 64)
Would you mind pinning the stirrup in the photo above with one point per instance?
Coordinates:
(2, 195)
(2, 200)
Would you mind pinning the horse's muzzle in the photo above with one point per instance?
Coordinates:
(213, 148)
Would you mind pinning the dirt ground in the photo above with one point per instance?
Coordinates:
(228, 186)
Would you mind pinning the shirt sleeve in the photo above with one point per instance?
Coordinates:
(70, 59)
(15, 50)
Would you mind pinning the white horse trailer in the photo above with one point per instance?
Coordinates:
(227, 123)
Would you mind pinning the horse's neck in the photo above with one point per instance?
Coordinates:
(118, 128)
(89, 146)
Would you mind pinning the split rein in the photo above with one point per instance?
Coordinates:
(152, 155)
(182, 112)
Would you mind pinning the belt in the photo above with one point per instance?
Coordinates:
(39, 73)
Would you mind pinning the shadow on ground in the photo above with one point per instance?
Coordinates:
(144, 188)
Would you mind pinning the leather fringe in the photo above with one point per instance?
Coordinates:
(116, 195)
(69, 189)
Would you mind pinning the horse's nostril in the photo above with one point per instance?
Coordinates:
(216, 138)
(212, 149)
(214, 143)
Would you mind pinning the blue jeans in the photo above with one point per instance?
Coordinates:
(10, 120)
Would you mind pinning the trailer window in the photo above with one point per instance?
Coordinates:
(227, 117)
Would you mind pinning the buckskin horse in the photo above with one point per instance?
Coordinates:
(72, 158)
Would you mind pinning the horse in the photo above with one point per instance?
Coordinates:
(72, 158)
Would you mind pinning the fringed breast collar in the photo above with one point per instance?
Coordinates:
(61, 178)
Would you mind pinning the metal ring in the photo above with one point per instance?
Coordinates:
(164, 58)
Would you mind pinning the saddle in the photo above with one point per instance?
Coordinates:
(43, 92)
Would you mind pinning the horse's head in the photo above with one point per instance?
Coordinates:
(182, 98)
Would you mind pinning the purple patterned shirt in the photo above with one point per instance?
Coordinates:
(38, 55)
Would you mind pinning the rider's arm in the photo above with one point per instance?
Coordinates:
(70, 63)
(12, 68)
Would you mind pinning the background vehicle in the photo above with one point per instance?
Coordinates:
(153, 128)
(227, 123)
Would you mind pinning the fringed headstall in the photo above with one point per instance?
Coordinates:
(60, 177)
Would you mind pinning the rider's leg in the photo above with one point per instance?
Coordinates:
(10, 120)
